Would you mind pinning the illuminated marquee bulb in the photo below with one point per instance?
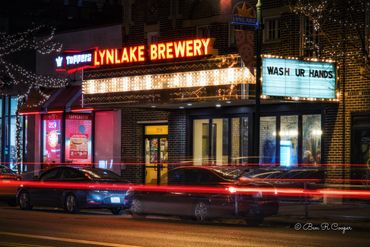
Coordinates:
(189, 80)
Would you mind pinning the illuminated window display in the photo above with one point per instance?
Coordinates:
(288, 140)
(311, 146)
(268, 140)
(52, 138)
(78, 147)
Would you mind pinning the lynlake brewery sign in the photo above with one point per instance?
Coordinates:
(298, 78)
(71, 61)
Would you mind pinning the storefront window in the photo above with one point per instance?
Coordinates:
(244, 139)
(52, 138)
(104, 139)
(200, 141)
(288, 141)
(78, 148)
(235, 140)
(267, 140)
(311, 146)
(220, 140)
(1, 126)
(13, 133)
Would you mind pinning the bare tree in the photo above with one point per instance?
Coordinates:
(16, 79)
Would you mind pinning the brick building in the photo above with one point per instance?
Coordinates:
(201, 109)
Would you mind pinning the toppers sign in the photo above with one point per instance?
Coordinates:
(72, 61)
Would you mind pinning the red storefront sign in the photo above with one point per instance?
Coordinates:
(72, 61)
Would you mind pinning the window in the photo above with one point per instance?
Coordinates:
(78, 145)
(51, 174)
(203, 31)
(175, 8)
(367, 30)
(235, 140)
(52, 140)
(311, 133)
(244, 139)
(232, 41)
(310, 46)
(271, 32)
(288, 140)
(176, 177)
(1, 126)
(200, 141)
(268, 140)
(69, 173)
(152, 37)
(220, 141)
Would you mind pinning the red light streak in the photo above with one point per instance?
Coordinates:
(191, 189)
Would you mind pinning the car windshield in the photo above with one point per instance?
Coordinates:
(101, 174)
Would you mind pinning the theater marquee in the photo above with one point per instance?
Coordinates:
(71, 61)
(298, 78)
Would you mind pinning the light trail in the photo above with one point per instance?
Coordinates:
(226, 189)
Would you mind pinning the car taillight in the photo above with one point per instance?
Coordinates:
(231, 189)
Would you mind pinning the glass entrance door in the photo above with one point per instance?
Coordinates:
(156, 153)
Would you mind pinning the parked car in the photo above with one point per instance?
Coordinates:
(8, 189)
(205, 205)
(74, 199)
(296, 178)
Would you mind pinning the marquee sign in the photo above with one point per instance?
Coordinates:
(298, 78)
(71, 61)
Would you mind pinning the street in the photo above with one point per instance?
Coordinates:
(47, 227)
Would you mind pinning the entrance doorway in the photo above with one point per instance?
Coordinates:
(156, 153)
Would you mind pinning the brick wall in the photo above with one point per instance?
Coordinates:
(132, 136)
(354, 90)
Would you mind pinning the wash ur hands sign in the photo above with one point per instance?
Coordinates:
(297, 78)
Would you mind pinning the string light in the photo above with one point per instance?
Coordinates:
(25, 80)
(202, 78)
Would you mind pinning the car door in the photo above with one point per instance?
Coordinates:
(45, 194)
(72, 176)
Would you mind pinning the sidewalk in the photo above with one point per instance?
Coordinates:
(355, 215)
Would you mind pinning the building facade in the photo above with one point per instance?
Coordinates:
(159, 108)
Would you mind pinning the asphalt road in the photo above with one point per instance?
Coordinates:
(46, 227)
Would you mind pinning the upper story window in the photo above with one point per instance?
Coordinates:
(309, 40)
(175, 8)
(151, 12)
(152, 37)
(203, 31)
(232, 41)
(271, 32)
(367, 30)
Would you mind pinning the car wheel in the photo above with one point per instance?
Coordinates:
(136, 208)
(70, 204)
(116, 211)
(201, 211)
(24, 201)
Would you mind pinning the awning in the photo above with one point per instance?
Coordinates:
(63, 99)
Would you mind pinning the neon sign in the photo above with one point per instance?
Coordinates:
(71, 61)
(130, 54)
